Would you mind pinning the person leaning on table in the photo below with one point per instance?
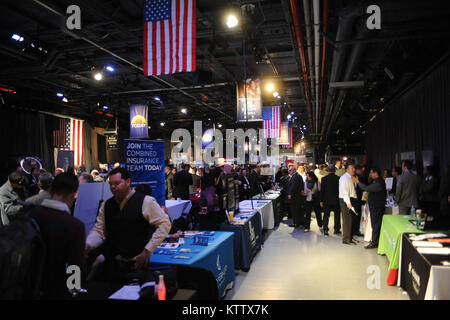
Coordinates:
(377, 202)
(124, 227)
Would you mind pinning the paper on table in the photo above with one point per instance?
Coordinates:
(442, 251)
(427, 244)
(427, 236)
(126, 293)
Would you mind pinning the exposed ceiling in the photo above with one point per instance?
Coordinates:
(413, 35)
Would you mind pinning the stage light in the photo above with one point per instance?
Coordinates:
(279, 97)
(275, 94)
(65, 99)
(98, 76)
(59, 94)
(292, 112)
(184, 110)
(163, 124)
(232, 21)
(270, 87)
(105, 107)
(157, 98)
(219, 125)
(289, 116)
(110, 68)
(17, 37)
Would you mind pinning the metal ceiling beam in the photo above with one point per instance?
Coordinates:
(347, 84)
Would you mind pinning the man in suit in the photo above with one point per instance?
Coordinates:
(329, 200)
(181, 182)
(244, 185)
(255, 182)
(408, 186)
(295, 198)
(377, 202)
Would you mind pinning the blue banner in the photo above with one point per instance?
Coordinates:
(138, 121)
(145, 162)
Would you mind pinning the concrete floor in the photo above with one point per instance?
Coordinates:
(294, 265)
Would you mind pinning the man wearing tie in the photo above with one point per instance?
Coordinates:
(347, 199)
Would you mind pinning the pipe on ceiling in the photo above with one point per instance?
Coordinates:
(306, 10)
(347, 17)
(352, 63)
(316, 7)
(324, 47)
(298, 33)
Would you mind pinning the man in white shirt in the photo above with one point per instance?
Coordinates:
(347, 196)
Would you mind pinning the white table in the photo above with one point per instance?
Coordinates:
(264, 207)
(177, 208)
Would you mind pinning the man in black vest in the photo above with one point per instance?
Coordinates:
(124, 224)
(377, 203)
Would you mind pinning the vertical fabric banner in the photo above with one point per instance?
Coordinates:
(254, 101)
(138, 121)
(284, 137)
(145, 162)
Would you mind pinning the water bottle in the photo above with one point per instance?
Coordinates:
(418, 221)
(413, 212)
(161, 288)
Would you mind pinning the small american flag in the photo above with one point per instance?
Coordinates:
(271, 122)
(169, 36)
(70, 136)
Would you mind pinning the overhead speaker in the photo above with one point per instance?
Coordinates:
(202, 77)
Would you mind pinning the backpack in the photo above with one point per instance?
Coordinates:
(22, 253)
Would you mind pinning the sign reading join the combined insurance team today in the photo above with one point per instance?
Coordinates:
(145, 162)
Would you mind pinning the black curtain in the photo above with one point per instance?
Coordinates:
(25, 133)
(418, 120)
(101, 145)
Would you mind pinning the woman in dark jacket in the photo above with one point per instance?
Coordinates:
(312, 193)
(210, 213)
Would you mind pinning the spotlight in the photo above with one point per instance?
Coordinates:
(59, 94)
(219, 125)
(163, 124)
(184, 110)
(105, 107)
(303, 144)
(98, 76)
(232, 21)
(275, 94)
(65, 99)
(279, 97)
(149, 127)
(292, 112)
(270, 87)
(289, 116)
(17, 37)
(110, 68)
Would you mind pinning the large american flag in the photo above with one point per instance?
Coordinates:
(271, 122)
(169, 36)
(70, 136)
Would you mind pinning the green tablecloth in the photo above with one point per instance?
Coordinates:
(392, 228)
(275, 197)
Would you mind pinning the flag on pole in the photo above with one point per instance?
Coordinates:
(271, 122)
(70, 136)
(169, 36)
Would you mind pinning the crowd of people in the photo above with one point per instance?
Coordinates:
(120, 243)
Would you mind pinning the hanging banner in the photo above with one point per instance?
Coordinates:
(284, 137)
(254, 101)
(111, 142)
(138, 121)
(145, 162)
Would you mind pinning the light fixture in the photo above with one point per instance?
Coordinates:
(275, 94)
(292, 112)
(157, 99)
(232, 21)
(270, 87)
(17, 37)
(303, 144)
(110, 68)
(289, 116)
(105, 107)
(184, 110)
(149, 127)
(59, 94)
(279, 97)
(163, 124)
(207, 137)
(98, 76)
(65, 99)
(219, 125)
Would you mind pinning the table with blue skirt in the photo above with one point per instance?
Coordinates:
(217, 257)
(247, 229)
